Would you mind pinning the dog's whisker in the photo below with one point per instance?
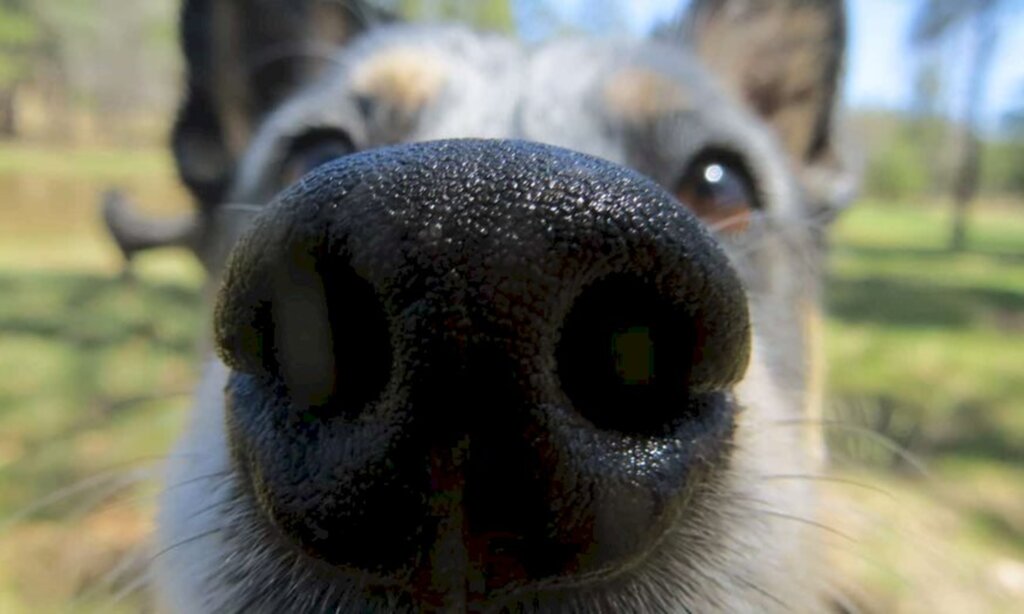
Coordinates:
(227, 473)
(135, 562)
(830, 479)
(129, 588)
(799, 519)
(764, 592)
(104, 499)
(112, 481)
(222, 476)
(886, 442)
(184, 542)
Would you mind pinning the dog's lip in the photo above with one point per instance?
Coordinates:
(466, 581)
(481, 595)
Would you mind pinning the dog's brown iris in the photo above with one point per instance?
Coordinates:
(719, 193)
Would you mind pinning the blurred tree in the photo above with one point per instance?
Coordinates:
(935, 21)
(485, 14)
(927, 129)
(115, 56)
(898, 168)
(1013, 120)
(20, 38)
(1005, 172)
(896, 171)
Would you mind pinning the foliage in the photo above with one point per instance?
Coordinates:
(1005, 168)
(909, 158)
(896, 171)
(937, 20)
(1003, 172)
(486, 14)
(903, 154)
(19, 37)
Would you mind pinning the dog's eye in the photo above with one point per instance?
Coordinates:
(313, 149)
(719, 192)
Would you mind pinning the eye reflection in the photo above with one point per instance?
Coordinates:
(714, 173)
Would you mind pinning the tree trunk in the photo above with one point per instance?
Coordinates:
(8, 113)
(965, 186)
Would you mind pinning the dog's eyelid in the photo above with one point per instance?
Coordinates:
(313, 136)
(311, 148)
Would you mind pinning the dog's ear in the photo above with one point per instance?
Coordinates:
(242, 58)
(784, 58)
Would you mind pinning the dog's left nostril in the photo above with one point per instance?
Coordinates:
(626, 355)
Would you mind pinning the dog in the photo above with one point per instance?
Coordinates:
(498, 327)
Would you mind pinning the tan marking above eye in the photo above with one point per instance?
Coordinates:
(405, 78)
(640, 94)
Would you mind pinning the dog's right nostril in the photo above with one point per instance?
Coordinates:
(626, 356)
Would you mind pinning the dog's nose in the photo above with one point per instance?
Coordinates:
(487, 363)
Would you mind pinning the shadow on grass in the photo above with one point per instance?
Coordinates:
(971, 432)
(91, 312)
(929, 254)
(87, 348)
(903, 303)
(999, 526)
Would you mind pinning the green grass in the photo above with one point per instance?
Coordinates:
(927, 347)
(924, 345)
(90, 163)
(938, 336)
(95, 375)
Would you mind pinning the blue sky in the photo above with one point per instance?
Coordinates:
(881, 67)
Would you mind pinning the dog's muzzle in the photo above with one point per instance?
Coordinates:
(478, 365)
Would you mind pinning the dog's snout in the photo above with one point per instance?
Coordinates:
(491, 360)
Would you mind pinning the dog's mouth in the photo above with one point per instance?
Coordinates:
(473, 545)
(464, 370)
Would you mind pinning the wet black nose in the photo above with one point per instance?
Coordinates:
(480, 364)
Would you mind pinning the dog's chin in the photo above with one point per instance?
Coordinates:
(444, 584)
(459, 571)
(266, 571)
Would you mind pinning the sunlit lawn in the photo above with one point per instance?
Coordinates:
(925, 346)
(940, 334)
(95, 373)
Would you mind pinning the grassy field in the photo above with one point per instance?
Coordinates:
(926, 347)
